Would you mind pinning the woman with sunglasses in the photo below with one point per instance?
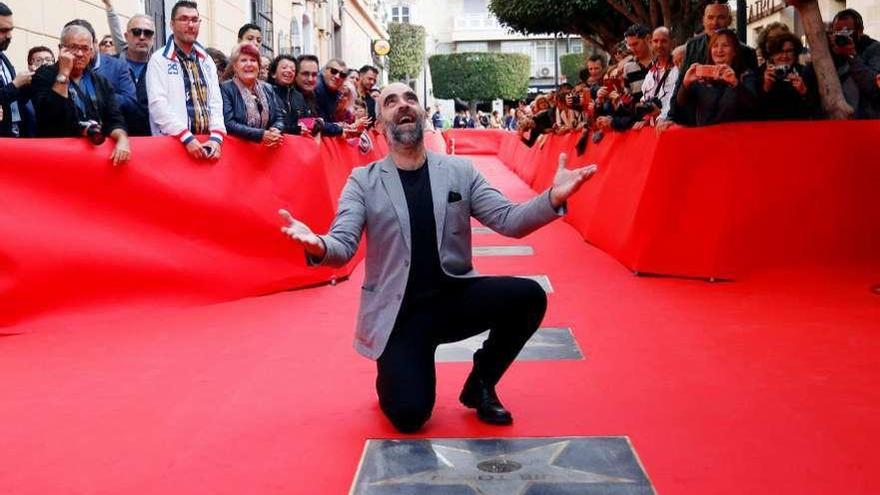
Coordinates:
(250, 108)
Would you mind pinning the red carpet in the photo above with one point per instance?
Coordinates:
(765, 385)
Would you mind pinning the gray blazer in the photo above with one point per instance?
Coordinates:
(373, 199)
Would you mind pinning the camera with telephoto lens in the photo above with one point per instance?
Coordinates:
(843, 37)
(648, 107)
(92, 130)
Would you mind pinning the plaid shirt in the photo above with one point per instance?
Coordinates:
(196, 93)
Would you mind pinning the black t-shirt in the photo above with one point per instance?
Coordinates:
(426, 277)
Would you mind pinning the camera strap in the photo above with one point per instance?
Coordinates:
(659, 84)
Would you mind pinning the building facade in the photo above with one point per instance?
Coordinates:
(458, 26)
(326, 28)
(764, 12)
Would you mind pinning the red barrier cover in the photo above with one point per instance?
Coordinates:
(720, 201)
(78, 233)
(475, 142)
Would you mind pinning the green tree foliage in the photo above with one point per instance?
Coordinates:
(570, 64)
(600, 22)
(407, 55)
(480, 76)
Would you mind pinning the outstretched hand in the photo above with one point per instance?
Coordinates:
(302, 234)
(567, 182)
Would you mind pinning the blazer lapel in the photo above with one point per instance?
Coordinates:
(439, 193)
(391, 182)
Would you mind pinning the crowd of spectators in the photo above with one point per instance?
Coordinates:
(713, 78)
(128, 83)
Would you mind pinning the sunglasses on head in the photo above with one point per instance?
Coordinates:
(146, 33)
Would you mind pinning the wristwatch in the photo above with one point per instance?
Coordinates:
(61, 78)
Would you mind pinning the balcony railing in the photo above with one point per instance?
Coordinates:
(764, 8)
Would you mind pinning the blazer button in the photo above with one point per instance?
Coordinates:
(399, 297)
(406, 263)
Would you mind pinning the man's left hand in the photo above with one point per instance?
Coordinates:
(567, 182)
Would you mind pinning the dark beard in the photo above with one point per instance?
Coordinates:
(407, 137)
(5, 44)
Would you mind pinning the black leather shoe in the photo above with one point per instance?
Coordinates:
(476, 394)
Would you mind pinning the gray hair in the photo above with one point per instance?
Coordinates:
(137, 17)
(337, 61)
(74, 29)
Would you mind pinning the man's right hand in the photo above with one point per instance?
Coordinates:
(194, 148)
(65, 62)
(302, 234)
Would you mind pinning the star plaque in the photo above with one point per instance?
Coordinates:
(509, 466)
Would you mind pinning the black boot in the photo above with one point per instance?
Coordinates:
(478, 395)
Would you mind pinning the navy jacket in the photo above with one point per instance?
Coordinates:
(325, 104)
(137, 118)
(235, 112)
(116, 73)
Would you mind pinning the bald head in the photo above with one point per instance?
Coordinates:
(400, 114)
(661, 43)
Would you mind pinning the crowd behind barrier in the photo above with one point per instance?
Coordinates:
(718, 202)
(78, 233)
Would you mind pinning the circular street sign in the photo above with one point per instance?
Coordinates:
(381, 47)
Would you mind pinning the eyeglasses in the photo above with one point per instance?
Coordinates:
(84, 49)
(334, 71)
(189, 20)
(138, 32)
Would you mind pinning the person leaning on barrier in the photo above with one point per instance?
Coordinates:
(250, 109)
(716, 16)
(282, 77)
(71, 99)
(659, 83)
(183, 89)
(787, 90)
(857, 59)
(37, 57)
(112, 69)
(724, 91)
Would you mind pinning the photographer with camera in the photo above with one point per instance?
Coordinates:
(724, 91)
(659, 83)
(788, 90)
(857, 58)
(568, 110)
(540, 121)
(70, 99)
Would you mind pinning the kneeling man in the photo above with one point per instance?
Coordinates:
(420, 288)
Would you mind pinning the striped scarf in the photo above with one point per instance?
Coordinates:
(196, 94)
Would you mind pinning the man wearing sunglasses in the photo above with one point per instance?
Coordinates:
(139, 39)
(330, 80)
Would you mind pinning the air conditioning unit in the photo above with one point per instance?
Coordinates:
(545, 71)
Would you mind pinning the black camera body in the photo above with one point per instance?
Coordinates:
(92, 131)
(648, 107)
(782, 71)
(843, 37)
(576, 101)
(543, 121)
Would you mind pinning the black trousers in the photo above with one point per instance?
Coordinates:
(511, 308)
